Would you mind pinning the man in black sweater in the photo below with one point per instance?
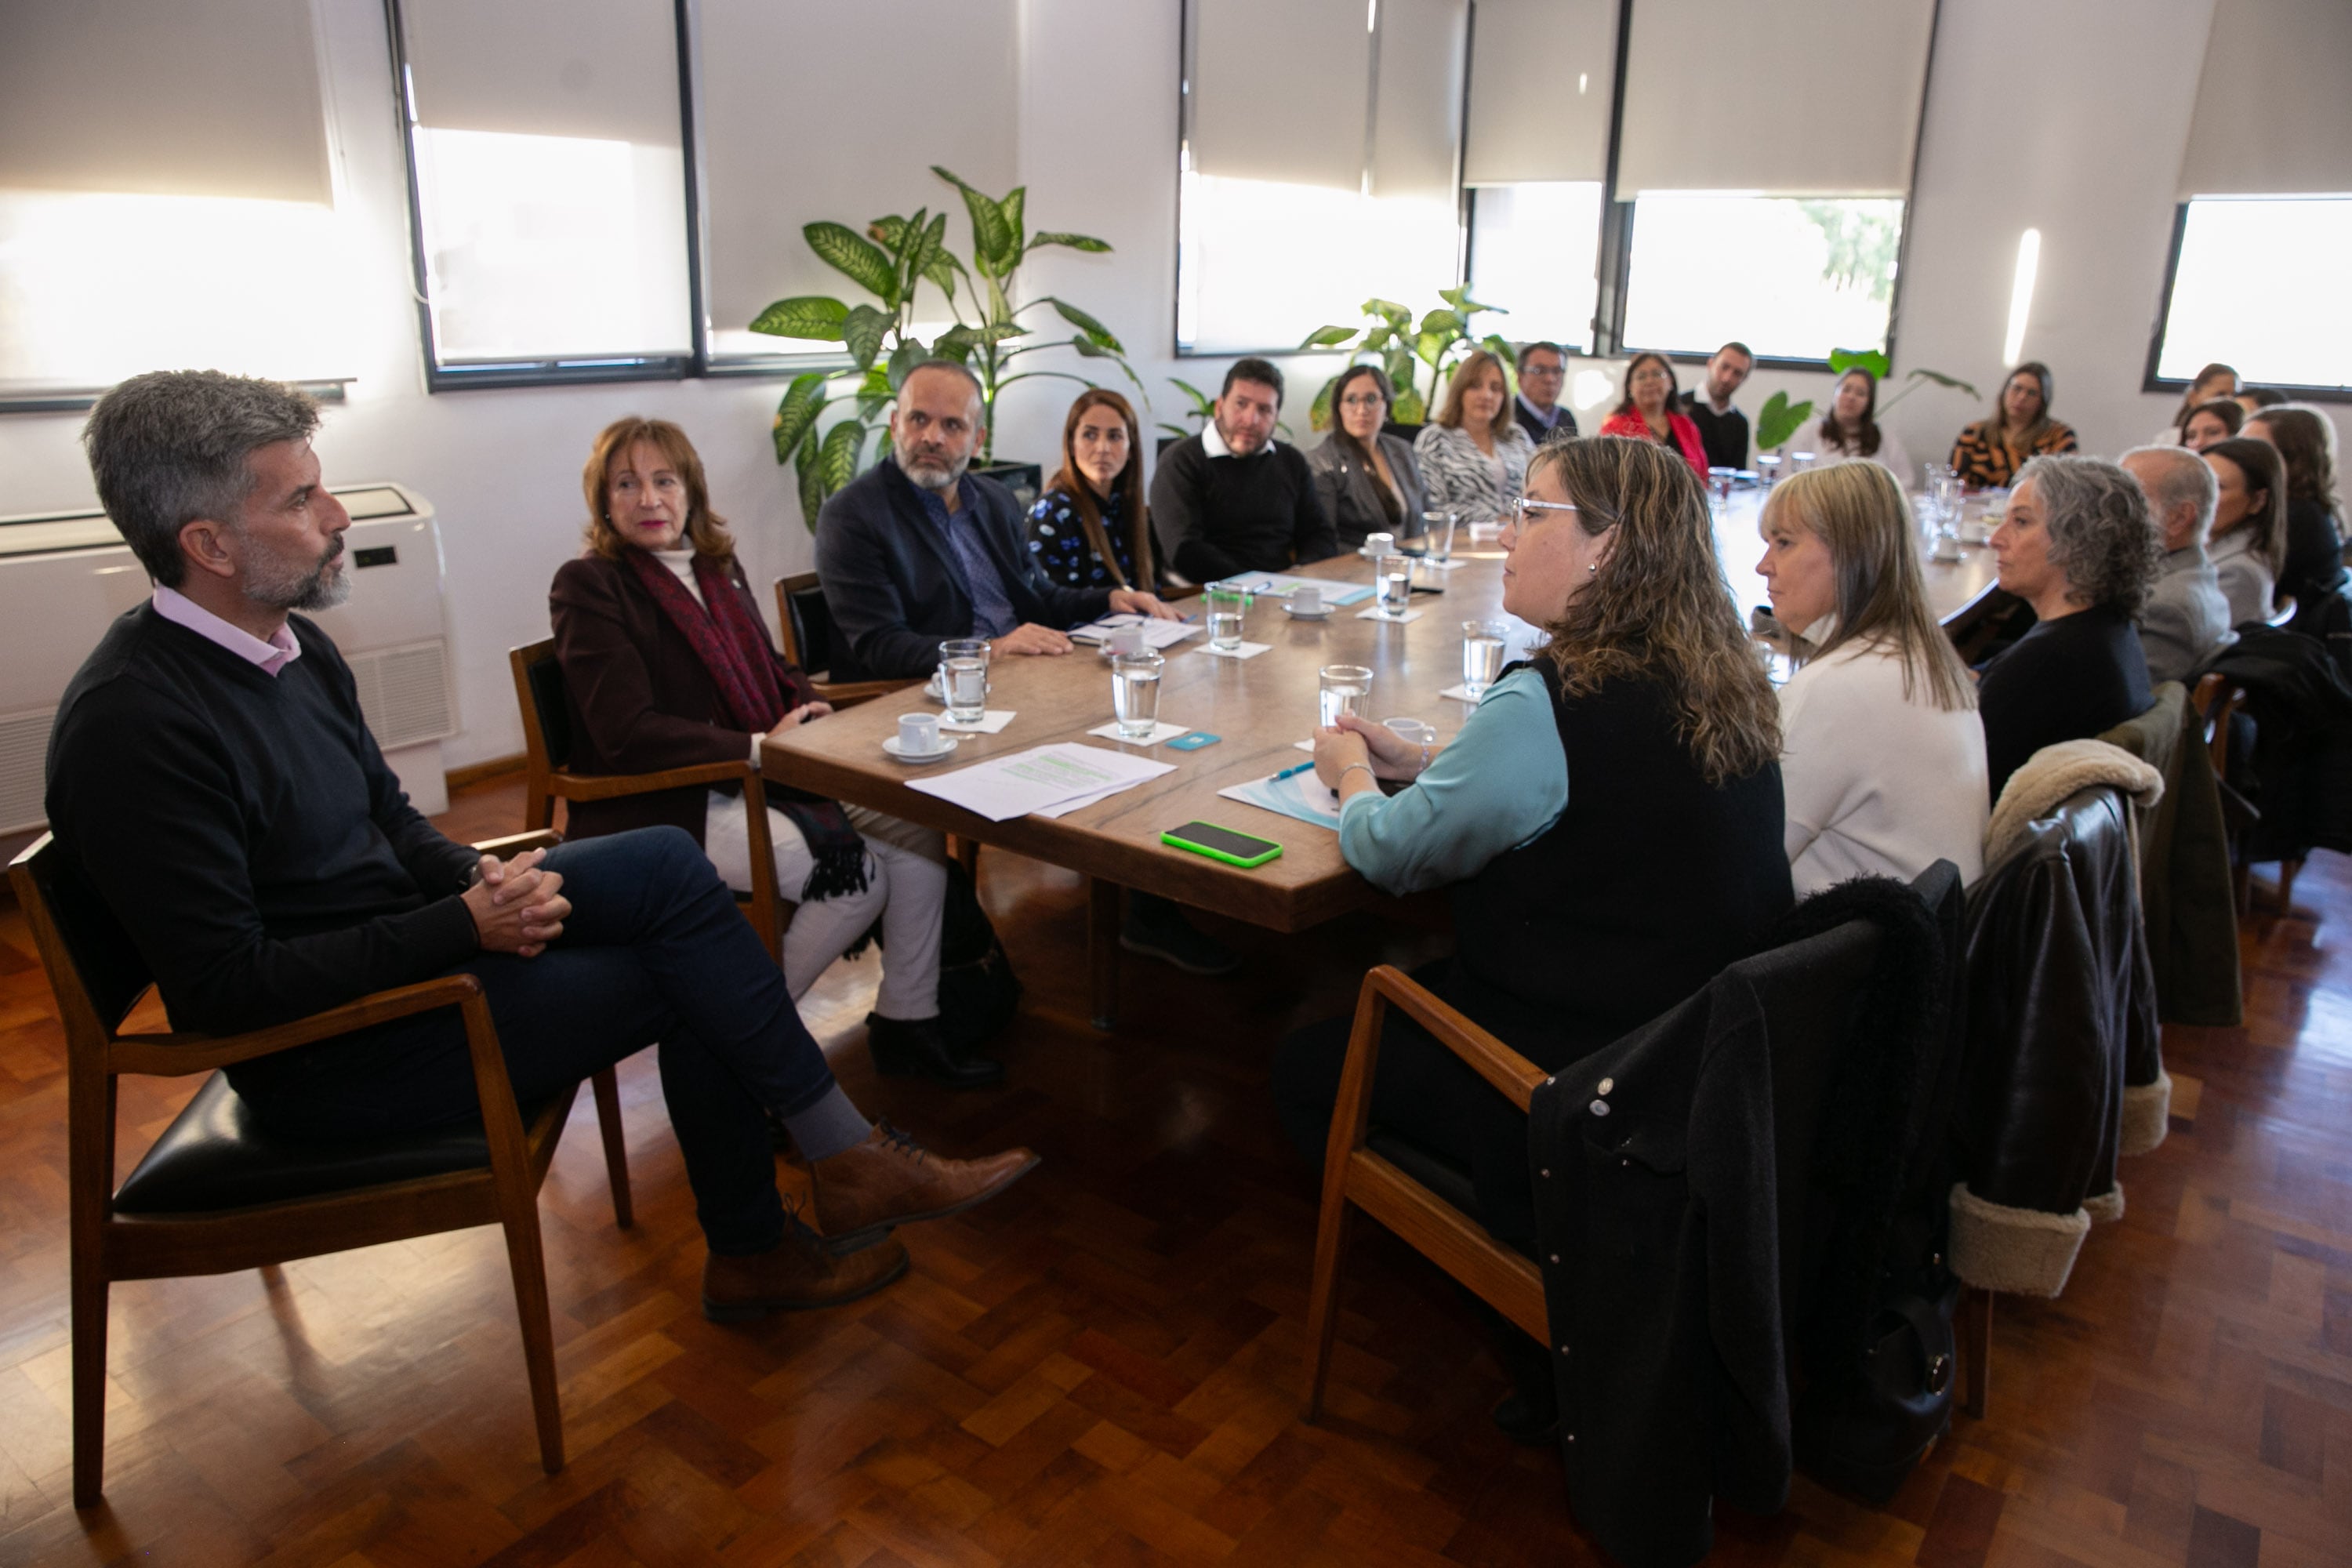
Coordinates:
(211, 774)
(1722, 429)
(1235, 499)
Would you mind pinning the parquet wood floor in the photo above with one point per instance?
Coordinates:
(1104, 1367)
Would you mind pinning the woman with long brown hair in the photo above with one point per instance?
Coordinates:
(2216, 380)
(1090, 529)
(2248, 544)
(1990, 452)
(1473, 456)
(2306, 440)
(1579, 912)
(1883, 759)
(1366, 478)
(1849, 429)
(667, 663)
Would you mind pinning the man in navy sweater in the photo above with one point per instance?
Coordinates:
(210, 770)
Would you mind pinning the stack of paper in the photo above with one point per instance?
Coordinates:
(1278, 586)
(1051, 781)
(1156, 633)
(1294, 792)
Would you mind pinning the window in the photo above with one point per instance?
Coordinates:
(1304, 194)
(2258, 283)
(1533, 251)
(547, 156)
(1810, 275)
(166, 198)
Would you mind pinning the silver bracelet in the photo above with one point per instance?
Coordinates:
(1352, 767)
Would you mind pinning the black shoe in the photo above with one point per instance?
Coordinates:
(914, 1047)
(1532, 1421)
(1158, 929)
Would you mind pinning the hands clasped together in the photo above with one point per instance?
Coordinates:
(1356, 754)
(517, 907)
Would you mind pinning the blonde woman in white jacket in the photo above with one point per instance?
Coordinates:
(1883, 762)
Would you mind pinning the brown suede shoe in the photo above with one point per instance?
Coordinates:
(797, 1273)
(891, 1179)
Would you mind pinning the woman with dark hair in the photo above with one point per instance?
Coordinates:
(2215, 381)
(1091, 528)
(2248, 544)
(2078, 545)
(1849, 429)
(667, 663)
(2306, 440)
(2210, 422)
(1647, 412)
(2254, 399)
(1473, 456)
(1581, 910)
(1366, 478)
(1882, 757)
(1990, 452)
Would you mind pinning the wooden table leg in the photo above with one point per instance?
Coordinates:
(1102, 947)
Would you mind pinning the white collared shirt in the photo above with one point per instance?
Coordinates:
(271, 657)
(1213, 441)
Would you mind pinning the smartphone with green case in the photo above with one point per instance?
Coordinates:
(1222, 844)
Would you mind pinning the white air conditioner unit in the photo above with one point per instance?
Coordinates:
(65, 576)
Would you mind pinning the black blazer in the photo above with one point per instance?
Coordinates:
(895, 588)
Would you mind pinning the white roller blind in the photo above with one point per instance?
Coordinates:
(1417, 111)
(593, 69)
(1278, 91)
(162, 98)
(1541, 72)
(810, 111)
(2273, 108)
(1799, 97)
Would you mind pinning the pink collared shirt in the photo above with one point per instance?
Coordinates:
(273, 656)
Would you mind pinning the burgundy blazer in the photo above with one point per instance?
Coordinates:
(640, 699)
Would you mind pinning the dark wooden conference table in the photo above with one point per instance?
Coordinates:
(1260, 707)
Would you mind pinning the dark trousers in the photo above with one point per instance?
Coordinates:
(654, 950)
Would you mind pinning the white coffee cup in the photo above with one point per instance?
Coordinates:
(1379, 544)
(918, 733)
(1125, 640)
(1307, 599)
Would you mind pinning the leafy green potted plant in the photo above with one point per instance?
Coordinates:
(891, 260)
(1390, 339)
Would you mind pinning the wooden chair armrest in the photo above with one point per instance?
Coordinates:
(614, 787)
(850, 693)
(1513, 1076)
(515, 844)
(180, 1053)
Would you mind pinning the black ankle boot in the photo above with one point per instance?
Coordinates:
(914, 1047)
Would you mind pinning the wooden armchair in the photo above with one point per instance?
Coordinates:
(805, 626)
(1355, 1173)
(217, 1194)
(547, 745)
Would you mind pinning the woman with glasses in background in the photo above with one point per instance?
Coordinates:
(1366, 478)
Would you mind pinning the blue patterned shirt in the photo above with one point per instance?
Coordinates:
(992, 608)
(1058, 539)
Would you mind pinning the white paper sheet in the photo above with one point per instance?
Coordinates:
(1398, 620)
(1156, 633)
(991, 720)
(1279, 584)
(1302, 796)
(1242, 650)
(1159, 732)
(1064, 774)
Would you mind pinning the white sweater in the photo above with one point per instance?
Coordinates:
(1877, 784)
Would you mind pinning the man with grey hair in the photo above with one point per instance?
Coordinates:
(2186, 619)
(916, 550)
(212, 777)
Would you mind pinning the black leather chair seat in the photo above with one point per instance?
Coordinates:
(1432, 1169)
(216, 1155)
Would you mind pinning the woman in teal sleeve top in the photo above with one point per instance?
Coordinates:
(1579, 913)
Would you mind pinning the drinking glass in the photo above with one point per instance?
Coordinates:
(1135, 692)
(1482, 656)
(1437, 530)
(1768, 469)
(963, 679)
(1718, 487)
(1226, 608)
(1342, 689)
(1392, 579)
(1800, 462)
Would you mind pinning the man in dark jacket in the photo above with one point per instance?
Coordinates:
(1722, 428)
(915, 550)
(1543, 373)
(1235, 499)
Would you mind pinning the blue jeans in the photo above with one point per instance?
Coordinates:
(654, 950)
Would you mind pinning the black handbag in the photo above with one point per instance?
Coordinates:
(1866, 1437)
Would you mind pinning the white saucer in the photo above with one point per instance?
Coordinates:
(1298, 615)
(890, 744)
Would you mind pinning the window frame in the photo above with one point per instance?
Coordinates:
(2151, 382)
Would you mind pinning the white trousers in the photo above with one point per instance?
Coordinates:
(906, 888)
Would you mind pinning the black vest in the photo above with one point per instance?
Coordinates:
(1650, 883)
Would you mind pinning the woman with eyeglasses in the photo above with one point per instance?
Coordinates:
(1582, 910)
(1647, 412)
(1990, 452)
(1366, 478)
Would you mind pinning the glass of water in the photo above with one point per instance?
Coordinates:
(1226, 608)
(1482, 656)
(963, 679)
(1768, 469)
(1437, 533)
(1135, 692)
(1392, 579)
(1343, 689)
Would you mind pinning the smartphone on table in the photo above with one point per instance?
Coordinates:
(1222, 844)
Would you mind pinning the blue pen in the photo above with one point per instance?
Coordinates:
(1292, 773)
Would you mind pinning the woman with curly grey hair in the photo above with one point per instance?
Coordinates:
(2078, 545)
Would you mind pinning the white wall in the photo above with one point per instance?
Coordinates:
(2069, 118)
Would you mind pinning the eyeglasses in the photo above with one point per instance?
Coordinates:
(1535, 372)
(1364, 400)
(1522, 509)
